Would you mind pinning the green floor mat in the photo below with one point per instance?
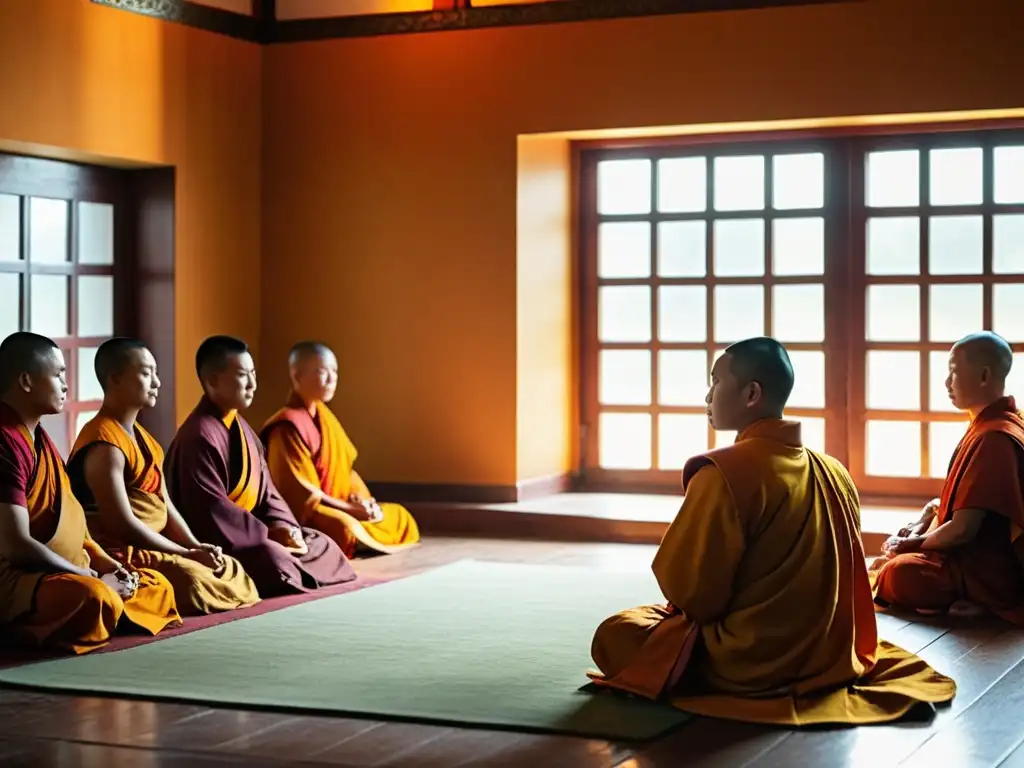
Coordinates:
(476, 643)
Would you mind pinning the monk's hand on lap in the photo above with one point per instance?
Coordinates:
(205, 557)
(906, 544)
(122, 582)
(290, 538)
(374, 514)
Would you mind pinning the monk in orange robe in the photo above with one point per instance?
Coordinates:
(769, 616)
(967, 548)
(311, 460)
(58, 587)
(116, 471)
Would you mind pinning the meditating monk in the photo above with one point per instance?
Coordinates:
(58, 588)
(769, 616)
(311, 462)
(967, 548)
(116, 471)
(217, 478)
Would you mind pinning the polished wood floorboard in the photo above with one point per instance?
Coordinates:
(982, 727)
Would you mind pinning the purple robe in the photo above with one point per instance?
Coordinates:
(201, 469)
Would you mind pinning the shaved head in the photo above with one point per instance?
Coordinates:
(213, 354)
(114, 356)
(764, 361)
(21, 353)
(304, 350)
(987, 350)
(978, 367)
(314, 371)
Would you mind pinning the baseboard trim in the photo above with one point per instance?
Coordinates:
(441, 493)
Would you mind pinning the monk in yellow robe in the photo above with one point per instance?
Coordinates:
(311, 460)
(58, 587)
(768, 615)
(116, 471)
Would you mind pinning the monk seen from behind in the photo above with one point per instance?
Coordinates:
(117, 472)
(769, 615)
(217, 478)
(966, 550)
(58, 587)
(312, 459)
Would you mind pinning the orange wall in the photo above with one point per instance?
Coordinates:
(82, 80)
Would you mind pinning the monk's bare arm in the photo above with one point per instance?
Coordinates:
(960, 530)
(19, 548)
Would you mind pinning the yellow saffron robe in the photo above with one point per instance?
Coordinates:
(310, 456)
(198, 590)
(769, 616)
(64, 610)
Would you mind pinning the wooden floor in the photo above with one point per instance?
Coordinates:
(984, 726)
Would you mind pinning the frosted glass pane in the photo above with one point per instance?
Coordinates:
(739, 183)
(88, 385)
(798, 313)
(1015, 381)
(624, 377)
(955, 245)
(894, 448)
(955, 176)
(1008, 244)
(682, 248)
(943, 438)
(739, 247)
(681, 436)
(722, 439)
(893, 178)
(798, 246)
(95, 305)
(624, 249)
(894, 246)
(10, 228)
(682, 377)
(56, 426)
(938, 372)
(739, 312)
(48, 231)
(83, 418)
(894, 380)
(624, 186)
(1008, 311)
(95, 233)
(624, 313)
(809, 379)
(682, 313)
(798, 181)
(10, 306)
(1008, 164)
(812, 430)
(49, 305)
(682, 184)
(624, 440)
(955, 311)
(894, 313)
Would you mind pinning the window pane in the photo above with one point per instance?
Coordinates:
(1009, 174)
(624, 186)
(88, 385)
(1015, 381)
(894, 448)
(681, 436)
(682, 313)
(894, 246)
(809, 375)
(894, 380)
(798, 246)
(95, 305)
(56, 426)
(10, 228)
(739, 183)
(739, 312)
(798, 181)
(955, 176)
(1007, 315)
(624, 249)
(82, 419)
(722, 439)
(739, 247)
(95, 233)
(682, 377)
(49, 305)
(624, 440)
(48, 230)
(10, 307)
(682, 248)
(624, 313)
(812, 430)
(943, 438)
(1008, 244)
(894, 313)
(894, 178)
(955, 245)
(938, 372)
(683, 184)
(798, 312)
(954, 311)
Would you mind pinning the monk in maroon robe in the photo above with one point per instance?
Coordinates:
(217, 478)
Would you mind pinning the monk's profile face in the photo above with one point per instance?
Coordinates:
(730, 402)
(233, 387)
(970, 382)
(47, 389)
(138, 385)
(317, 377)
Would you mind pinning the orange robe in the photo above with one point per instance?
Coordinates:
(197, 589)
(64, 610)
(986, 473)
(769, 616)
(310, 456)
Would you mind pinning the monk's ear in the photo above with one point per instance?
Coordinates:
(754, 393)
(25, 382)
(986, 375)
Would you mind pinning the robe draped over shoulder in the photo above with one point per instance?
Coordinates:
(218, 481)
(197, 589)
(768, 615)
(309, 456)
